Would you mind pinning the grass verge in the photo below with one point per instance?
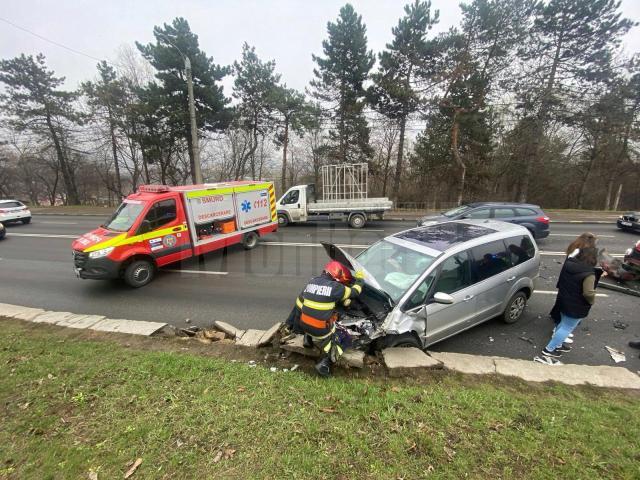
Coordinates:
(71, 406)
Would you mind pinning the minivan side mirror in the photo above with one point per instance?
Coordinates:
(443, 298)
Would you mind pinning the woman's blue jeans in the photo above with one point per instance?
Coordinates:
(565, 327)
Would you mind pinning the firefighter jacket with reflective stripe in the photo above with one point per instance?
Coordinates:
(319, 298)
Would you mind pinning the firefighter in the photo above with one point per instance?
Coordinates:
(316, 314)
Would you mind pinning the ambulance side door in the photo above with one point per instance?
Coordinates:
(165, 233)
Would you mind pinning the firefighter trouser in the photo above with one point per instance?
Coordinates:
(329, 344)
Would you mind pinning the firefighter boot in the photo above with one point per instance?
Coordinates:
(323, 367)
(307, 341)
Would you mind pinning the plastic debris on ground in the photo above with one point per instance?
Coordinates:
(616, 355)
(547, 361)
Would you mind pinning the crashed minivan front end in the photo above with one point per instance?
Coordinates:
(392, 267)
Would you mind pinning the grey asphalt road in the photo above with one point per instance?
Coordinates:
(257, 288)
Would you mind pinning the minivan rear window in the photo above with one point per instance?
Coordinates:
(10, 204)
(525, 212)
(490, 259)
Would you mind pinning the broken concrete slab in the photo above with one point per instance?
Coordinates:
(52, 317)
(295, 345)
(268, 335)
(464, 363)
(214, 335)
(352, 358)
(135, 327)
(251, 338)
(229, 329)
(401, 361)
(80, 321)
(601, 376)
(21, 313)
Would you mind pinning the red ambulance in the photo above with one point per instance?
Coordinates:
(160, 225)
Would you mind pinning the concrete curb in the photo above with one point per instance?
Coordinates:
(399, 361)
(84, 322)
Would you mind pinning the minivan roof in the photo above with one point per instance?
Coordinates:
(502, 204)
(443, 236)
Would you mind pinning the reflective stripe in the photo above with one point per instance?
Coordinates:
(347, 293)
(313, 322)
(319, 305)
(358, 288)
(121, 240)
(298, 303)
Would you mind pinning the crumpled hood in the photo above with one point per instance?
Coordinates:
(97, 239)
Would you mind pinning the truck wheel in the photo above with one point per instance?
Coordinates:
(139, 273)
(515, 308)
(357, 220)
(283, 220)
(250, 240)
(26, 220)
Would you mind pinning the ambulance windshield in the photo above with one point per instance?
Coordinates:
(125, 216)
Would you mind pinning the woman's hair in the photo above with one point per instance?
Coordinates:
(586, 240)
(588, 255)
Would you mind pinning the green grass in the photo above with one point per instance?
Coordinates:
(71, 405)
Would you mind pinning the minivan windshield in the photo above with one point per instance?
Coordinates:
(125, 216)
(394, 266)
(456, 211)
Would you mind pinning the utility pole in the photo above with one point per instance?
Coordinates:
(194, 126)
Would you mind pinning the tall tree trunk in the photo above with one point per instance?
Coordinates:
(398, 175)
(455, 129)
(583, 185)
(285, 145)
(69, 182)
(114, 149)
(607, 200)
(616, 203)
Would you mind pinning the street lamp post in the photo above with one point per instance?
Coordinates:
(195, 146)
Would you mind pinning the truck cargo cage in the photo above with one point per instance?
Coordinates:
(344, 182)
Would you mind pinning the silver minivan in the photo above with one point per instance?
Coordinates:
(428, 283)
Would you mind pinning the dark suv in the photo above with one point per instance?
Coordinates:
(530, 216)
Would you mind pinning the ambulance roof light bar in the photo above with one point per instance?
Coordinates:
(153, 188)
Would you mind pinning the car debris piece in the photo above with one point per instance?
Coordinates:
(620, 325)
(616, 355)
(526, 339)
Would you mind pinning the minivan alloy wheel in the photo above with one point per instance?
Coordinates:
(515, 308)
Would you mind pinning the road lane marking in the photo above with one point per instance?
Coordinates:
(40, 235)
(59, 223)
(197, 272)
(551, 292)
(576, 236)
(354, 230)
(292, 244)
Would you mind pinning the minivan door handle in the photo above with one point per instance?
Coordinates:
(467, 298)
(511, 279)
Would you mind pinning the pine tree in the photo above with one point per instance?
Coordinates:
(37, 105)
(407, 58)
(338, 84)
(173, 42)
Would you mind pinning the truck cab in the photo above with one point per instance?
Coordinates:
(148, 230)
(292, 206)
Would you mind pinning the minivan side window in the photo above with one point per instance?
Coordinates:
(419, 295)
(455, 274)
(490, 259)
(162, 213)
(520, 249)
(481, 213)
(525, 212)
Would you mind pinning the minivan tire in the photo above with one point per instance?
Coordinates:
(26, 220)
(515, 308)
(138, 273)
(357, 220)
(250, 240)
(403, 340)
(283, 220)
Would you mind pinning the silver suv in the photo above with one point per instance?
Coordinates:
(428, 283)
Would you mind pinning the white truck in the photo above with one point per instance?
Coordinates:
(344, 198)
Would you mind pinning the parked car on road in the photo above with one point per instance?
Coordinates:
(529, 216)
(3, 231)
(426, 284)
(629, 221)
(14, 211)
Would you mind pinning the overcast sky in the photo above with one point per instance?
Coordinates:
(288, 31)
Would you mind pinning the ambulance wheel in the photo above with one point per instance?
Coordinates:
(139, 273)
(357, 220)
(250, 240)
(283, 220)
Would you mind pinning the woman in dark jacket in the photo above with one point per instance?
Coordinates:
(576, 295)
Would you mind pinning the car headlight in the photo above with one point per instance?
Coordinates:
(101, 253)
